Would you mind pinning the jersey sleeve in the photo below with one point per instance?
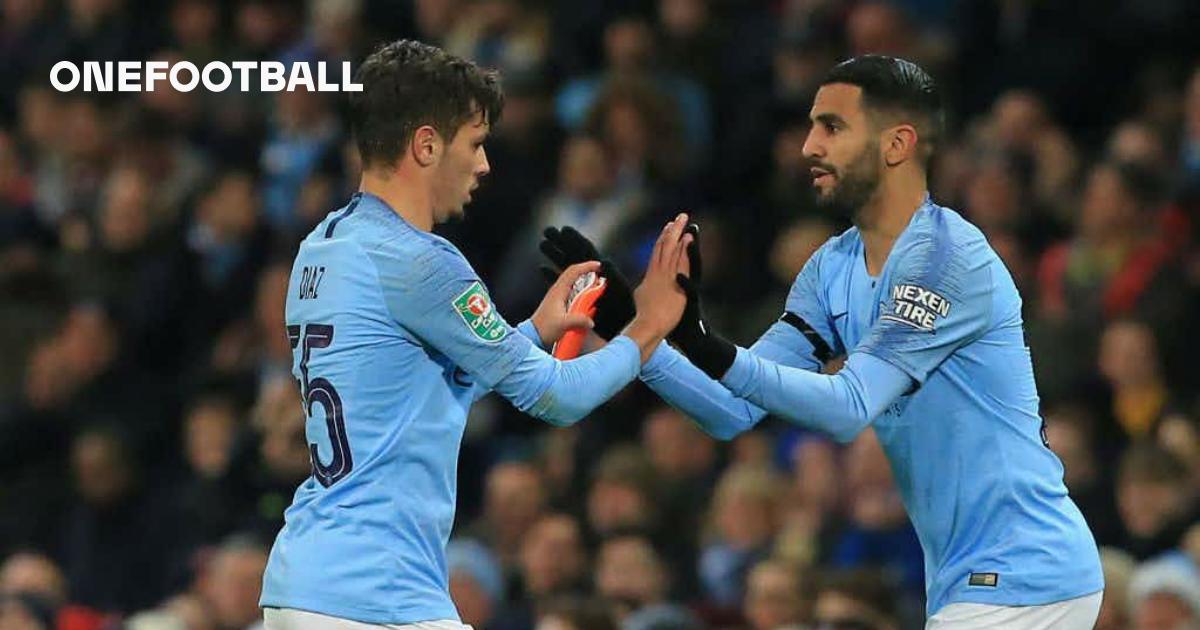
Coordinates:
(438, 297)
(531, 333)
(803, 336)
(686, 387)
(939, 299)
(790, 341)
(839, 404)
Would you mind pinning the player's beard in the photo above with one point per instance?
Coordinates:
(855, 184)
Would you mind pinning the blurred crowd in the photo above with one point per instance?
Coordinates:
(151, 434)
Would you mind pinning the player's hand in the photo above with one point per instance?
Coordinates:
(691, 323)
(659, 298)
(693, 336)
(551, 317)
(615, 308)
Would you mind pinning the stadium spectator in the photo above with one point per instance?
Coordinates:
(1156, 499)
(514, 500)
(776, 597)
(116, 522)
(623, 493)
(860, 599)
(1118, 571)
(691, 40)
(1070, 433)
(630, 51)
(505, 34)
(586, 198)
(1129, 361)
(811, 501)
(1020, 123)
(32, 572)
(998, 200)
(1138, 142)
(476, 582)
(24, 612)
(576, 614)
(256, 346)
(631, 575)
(231, 582)
(745, 515)
(210, 495)
(1117, 220)
(553, 559)
(1180, 434)
(304, 129)
(639, 128)
(1117, 265)
(881, 28)
(227, 245)
(1165, 594)
(684, 460)
(435, 18)
(284, 458)
(877, 533)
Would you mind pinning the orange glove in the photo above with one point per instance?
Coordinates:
(582, 299)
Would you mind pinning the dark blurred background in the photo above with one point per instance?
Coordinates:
(150, 431)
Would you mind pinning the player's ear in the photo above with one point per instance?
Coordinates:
(426, 145)
(899, 144)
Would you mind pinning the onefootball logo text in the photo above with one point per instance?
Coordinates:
(184, 76)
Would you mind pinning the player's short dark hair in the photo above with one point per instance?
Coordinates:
(895, 86)
(407, 84)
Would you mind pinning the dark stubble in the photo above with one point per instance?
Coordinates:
(855, 184)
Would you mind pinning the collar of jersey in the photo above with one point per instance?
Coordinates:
(374, 205)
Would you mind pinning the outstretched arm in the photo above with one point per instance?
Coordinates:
(439, 298)
(939, 299)
(718, 411)
(690, 383)
(841, 404)
(576, 386)
(723, 415)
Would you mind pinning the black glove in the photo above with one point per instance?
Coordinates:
(703, 346)
(615, 309)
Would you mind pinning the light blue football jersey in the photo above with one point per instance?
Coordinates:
(965, 443)
(981, 486)
(394, 337)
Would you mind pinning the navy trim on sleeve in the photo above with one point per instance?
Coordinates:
(821, 350)
(345, 213)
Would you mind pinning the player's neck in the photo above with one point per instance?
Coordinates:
(886, 216)
(411, 200)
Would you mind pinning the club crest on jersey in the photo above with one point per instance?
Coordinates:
(477, 312)
(916, 306)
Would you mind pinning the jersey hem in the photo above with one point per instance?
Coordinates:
(1015, 599)
(365, 615)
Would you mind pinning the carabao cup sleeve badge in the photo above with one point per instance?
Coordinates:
(478, 313)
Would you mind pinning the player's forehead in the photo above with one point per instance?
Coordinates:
(842, 100)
